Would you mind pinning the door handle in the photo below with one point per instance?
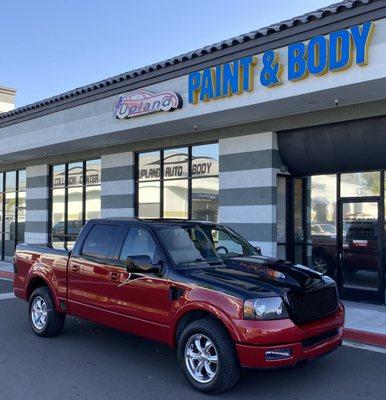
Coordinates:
(114, 276)
(75, 268)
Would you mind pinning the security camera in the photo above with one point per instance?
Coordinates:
(336, 101)
(195, 128)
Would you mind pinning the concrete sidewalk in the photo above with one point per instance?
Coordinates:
(365, 323)
(6, 266)
(369, 317)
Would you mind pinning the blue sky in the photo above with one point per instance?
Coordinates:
(49, 47)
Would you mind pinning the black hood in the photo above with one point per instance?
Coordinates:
(256, 276)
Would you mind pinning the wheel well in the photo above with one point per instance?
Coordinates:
(34, 284)
(321, 252)
(191, 316)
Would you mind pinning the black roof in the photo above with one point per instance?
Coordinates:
(107, 84)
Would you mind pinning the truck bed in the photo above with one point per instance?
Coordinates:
(24, 248)
(32, 261)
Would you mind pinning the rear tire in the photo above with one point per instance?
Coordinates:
(44, 319)
(205, 347)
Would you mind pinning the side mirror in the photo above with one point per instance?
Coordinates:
(258, 249)
(141, 264)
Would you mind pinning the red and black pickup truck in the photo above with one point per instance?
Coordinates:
(196, 286)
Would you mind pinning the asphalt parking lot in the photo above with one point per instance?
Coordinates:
(90, 362)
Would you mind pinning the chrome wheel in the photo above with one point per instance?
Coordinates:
(39, 313)
(320, 265)
(201, 358)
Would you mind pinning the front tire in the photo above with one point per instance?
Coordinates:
(207, 356)
(44, 319)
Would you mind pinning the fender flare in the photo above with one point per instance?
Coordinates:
(209, 308)
(36, 272)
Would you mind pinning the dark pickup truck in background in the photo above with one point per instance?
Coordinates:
(196, 286)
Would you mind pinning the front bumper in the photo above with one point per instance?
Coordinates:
(302, 343)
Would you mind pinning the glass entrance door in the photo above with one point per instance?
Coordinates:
(360, 250)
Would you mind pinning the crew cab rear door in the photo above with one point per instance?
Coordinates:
(88, 269)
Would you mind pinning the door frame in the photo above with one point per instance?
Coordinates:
(380, 297)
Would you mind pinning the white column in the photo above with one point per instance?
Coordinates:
(118, 185)
(37, 194)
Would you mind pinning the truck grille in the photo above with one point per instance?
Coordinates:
(310, 306)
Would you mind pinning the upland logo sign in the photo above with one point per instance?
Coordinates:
(145, 102)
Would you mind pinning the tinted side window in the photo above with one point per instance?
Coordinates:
(139, 242)
(100, 241)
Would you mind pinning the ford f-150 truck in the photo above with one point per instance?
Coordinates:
(197, 286)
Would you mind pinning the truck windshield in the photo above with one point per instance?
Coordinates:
(188, 245)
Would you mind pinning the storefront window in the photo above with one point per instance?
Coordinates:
(178, 183)
(322, 214)
(360, 184)
(205, 199)
(149, 166)
(75, 198)
(298, 211)
(175, 163)
(323, 209)
(281, 215)
(12, 211)
(176, 198)
(149, 194)
(315, 224)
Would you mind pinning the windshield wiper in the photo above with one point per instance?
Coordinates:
(233, 255)
(213, 261)
(210, 261)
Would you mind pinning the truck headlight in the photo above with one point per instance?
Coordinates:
(266, 308)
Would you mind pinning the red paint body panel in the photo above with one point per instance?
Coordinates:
(226, 308)
(254, 356)
(259, 337)
(284, 330)
(48, 268)
(103, 293)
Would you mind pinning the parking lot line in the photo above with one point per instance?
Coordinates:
(364, 346)
(6, 296)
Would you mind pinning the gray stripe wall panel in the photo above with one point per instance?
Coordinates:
(117, 173)
(257, 157)
(37, 181)
(37, 204)
(250, 160)
(36, 226)
(248, 196)
(255, 232)
(37, 209)
(118, 201)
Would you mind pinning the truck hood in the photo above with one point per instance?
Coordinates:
(245, 277)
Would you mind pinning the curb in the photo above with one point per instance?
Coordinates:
(371, 338)
(6, 274)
